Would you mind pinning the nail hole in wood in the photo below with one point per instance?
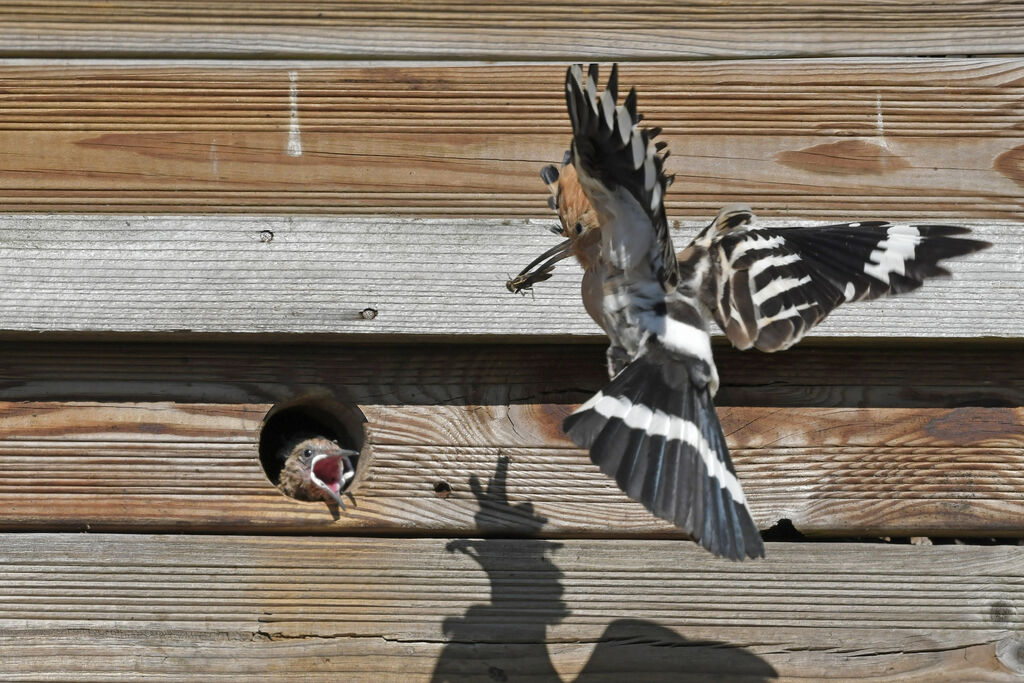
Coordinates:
(443, 489)
(287, 424)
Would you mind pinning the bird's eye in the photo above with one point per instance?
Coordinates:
(579, 227)
(308, 453)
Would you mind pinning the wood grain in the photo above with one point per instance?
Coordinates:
(165, 466)
(565, 30)
(925, 139)
(213, 607)
(852, 374)
(424, 277)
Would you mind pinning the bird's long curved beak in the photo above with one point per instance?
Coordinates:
(540, 268)
(332, 473)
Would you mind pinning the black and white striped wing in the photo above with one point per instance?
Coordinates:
(622, 173)
(653, 428)
(772, 285)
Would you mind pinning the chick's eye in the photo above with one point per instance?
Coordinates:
(308, 453)
(579, 227)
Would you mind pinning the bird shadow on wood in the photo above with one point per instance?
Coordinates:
(506, 639)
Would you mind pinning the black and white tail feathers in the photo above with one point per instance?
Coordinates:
(772, 285)
(655, 431)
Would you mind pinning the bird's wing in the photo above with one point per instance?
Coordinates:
(655, 431)
(621, 171)
(772, 285)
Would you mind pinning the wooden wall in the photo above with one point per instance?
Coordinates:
(215, 210)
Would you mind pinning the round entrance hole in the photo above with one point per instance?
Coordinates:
(301, 427)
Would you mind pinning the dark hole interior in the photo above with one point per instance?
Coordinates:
(339, 423)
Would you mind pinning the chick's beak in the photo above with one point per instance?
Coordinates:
(332, 473)
(540, 268)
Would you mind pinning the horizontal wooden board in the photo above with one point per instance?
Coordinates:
(935, 139)
(172, 466)
(567, 29)
(386, 276)
(884, 374)
(476, 609)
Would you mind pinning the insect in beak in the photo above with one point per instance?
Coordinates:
(540, 268)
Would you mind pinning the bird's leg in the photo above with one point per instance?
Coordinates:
(618, 358)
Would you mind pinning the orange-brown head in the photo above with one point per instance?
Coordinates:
(578, 224)
(578, 218)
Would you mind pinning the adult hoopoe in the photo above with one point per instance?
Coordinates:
(653, 427)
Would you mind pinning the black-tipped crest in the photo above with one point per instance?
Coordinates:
(549, 174)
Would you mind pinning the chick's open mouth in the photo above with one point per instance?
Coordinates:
(331, 472)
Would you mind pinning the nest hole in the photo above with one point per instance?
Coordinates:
(285, 423)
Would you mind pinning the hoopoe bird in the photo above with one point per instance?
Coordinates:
(654, 427)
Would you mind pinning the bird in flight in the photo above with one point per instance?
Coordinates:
(654, 427)
(316, 468)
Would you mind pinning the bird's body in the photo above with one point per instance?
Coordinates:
(654, 426)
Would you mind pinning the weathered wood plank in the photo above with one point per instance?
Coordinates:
(213, 607)
(630, 648)
(937, 139)
(855, 375)
(223, 274)
(568, 29)
(165, 466)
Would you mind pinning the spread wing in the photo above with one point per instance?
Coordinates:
(622, 173)
(772, 285)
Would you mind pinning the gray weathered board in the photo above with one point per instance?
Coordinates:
(424, 277)
(562, 30)
(368, 609)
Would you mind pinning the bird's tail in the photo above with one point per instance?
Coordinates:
(656, 432)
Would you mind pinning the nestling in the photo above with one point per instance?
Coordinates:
(316, 468)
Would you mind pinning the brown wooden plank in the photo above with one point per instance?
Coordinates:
(213, 607)
(568, 29)
(936, 139)
(878, 375)
(422, 277)
(836, 471)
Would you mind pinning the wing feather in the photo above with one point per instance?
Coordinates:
(773, 285)
(611, 151)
